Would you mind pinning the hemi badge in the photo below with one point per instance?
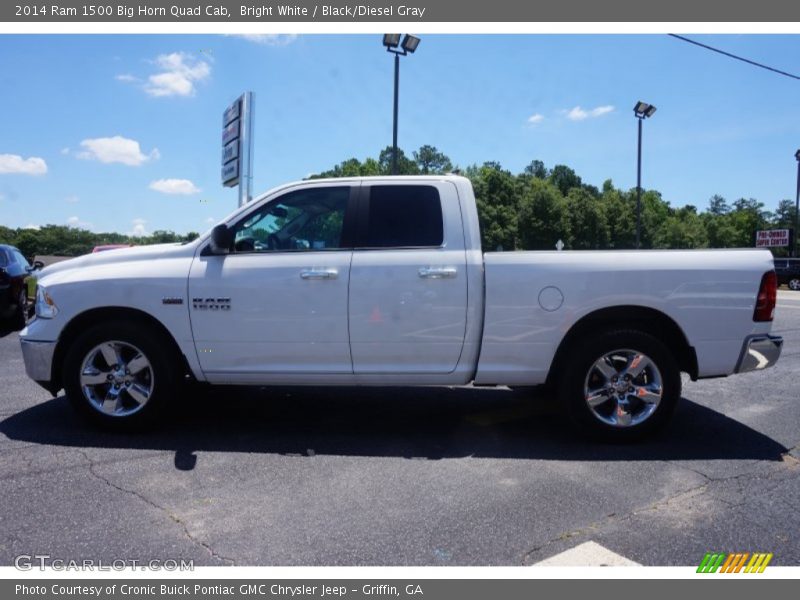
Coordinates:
(172, 301)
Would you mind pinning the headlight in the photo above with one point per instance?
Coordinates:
(45, 307)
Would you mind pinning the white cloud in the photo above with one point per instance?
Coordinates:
(126, 78)
(579, 114)
(32, 226)
(181, 187)
(535, 118)
(138, 228)
(211, 220)
(269, 39)
(65, 151)
(14, 163)
(76, 223)
(73, 199)
(116, 149)
(179, 72)
(602, 110)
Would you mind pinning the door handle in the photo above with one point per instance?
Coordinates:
(437, 272)
(319, 274)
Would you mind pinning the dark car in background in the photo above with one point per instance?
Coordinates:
(14, 272)
(788, 272)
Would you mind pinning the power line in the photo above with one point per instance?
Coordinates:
(734, 56)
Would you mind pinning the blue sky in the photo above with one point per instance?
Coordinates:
(122, 132)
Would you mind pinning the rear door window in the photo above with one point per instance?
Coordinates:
(402, 216)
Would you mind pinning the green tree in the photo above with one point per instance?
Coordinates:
(747, 217)
(587, 221)
(784, 217)
(543, 216)
(430, 161)
(654, 211)
(620, 215)
(682, 229)
(497, 199)
(564, 179)
(717, 205)
(536, 169)
(405, 166)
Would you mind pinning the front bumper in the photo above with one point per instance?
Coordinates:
(38, 357)
(759, 352)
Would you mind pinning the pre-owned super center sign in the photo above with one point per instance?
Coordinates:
(237, 146)
(773, 238)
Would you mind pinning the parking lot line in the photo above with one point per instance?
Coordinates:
(588, 554)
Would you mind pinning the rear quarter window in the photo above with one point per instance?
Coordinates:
(404, 216)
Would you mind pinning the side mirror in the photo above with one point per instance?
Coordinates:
(38, 265)
(221, 239)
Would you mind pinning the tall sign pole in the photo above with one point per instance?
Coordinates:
(794, 251)
(237, 146)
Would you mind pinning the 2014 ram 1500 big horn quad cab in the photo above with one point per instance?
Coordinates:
(382, 281)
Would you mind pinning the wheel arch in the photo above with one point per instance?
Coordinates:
(93, 316)
(641, 318)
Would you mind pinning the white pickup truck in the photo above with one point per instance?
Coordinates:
(382, 281)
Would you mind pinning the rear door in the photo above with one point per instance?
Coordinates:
(408, 284)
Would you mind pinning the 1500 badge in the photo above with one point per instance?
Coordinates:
(211, 303)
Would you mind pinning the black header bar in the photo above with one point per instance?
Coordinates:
(377, 11)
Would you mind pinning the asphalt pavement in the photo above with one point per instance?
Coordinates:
(391, 476)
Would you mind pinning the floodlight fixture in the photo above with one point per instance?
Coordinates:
(643, 110)
(410, 43)
(391, 40)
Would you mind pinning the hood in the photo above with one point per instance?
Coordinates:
(119, 255)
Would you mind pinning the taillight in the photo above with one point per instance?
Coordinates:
(767, 297)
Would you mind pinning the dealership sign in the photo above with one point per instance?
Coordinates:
(773, 238)
(237, 146)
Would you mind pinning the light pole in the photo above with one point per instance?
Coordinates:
(796, 206)
(642, 110)
(393, 45)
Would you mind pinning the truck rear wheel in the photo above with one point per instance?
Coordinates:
(620, 385)
(119, 374)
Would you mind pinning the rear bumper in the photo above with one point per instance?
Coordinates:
(38, 357)
(759, 352)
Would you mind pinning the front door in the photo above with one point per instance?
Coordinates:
(277, 304)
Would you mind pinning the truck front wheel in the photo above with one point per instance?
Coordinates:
(620, 385)
(119, 375)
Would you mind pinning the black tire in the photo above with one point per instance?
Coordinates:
(126, 338)
(607, 420)
(794, 284)
(21, 315)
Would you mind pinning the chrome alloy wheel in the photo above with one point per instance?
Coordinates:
(794, 284)
(116, 378)
(623, 388)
